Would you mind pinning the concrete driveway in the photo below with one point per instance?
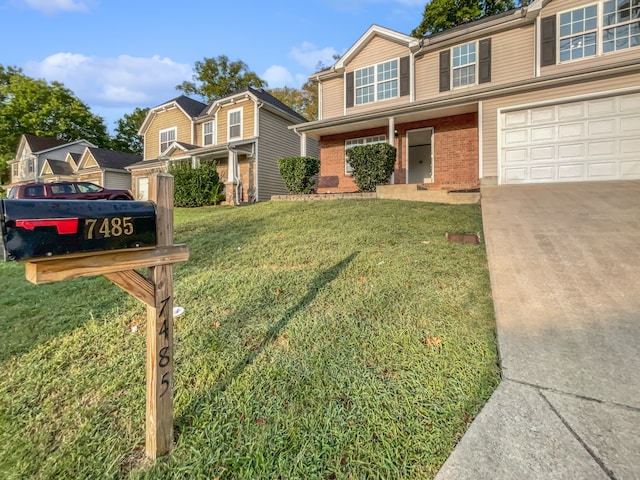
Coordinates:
(565, 272)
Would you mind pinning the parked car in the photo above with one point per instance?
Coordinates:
(67, 191)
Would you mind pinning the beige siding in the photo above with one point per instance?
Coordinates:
(565, 93)
(378, 50)
(332, 98)
(512, 59)
(276, 141)
(163, 120)
(248, 121)
(555, 7)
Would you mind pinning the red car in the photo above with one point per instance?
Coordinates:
(67, 191)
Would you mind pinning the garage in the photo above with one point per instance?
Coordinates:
(588, 140)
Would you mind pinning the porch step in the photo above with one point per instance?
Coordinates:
(417, 193)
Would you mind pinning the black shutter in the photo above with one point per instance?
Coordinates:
(484, 64)
(445, 74)
(349, 89)
(405, 79)
(548, 41)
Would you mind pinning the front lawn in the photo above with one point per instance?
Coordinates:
(325, 340)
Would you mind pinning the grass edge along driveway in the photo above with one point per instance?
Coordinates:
(329, 340)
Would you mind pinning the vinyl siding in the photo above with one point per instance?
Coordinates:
(117, 180)
(378, 50)
(553, 8)
(563, 94)
(332, 98)
(512, 59)
(163, 120)
(276, 141)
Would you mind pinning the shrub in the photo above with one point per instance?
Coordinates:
(372, 165)
(298, 172)
(195, 187)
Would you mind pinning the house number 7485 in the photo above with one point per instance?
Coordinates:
(108, 227)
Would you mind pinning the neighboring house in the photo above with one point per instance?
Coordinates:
(32, 153)
(544, 93)
(106, 167)
(247, 131)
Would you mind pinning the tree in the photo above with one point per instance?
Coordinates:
(441, 15)
(126, 138)
(217, 77)
(34, 106)
(303, 100)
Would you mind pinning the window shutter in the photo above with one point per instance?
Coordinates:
(405, 82)
(548, 41)
(484, 74)
(349, 89)
(445, 74)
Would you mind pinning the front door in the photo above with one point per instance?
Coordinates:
(420, 157)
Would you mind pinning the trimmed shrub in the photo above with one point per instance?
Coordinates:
(372, 165)
(298, 172)
(195, 187)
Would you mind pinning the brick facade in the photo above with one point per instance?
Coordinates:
(455, 150)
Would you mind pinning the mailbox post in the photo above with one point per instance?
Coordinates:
(61, 240)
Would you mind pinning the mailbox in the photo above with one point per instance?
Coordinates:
(46, 228)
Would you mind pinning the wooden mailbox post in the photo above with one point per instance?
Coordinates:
(156, 291)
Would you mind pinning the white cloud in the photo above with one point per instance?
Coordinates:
(52, 6)
(309, 56)
(119, 81)
(277, 76)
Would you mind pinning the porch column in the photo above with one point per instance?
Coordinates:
(195, 162)
(392, 141)
(303, 145)
(232, 180)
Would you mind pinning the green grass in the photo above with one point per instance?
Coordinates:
(328, 340)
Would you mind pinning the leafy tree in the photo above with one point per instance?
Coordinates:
(126, 138)
(441, 15)
(34, 106)
(217, 77)
(303, 100)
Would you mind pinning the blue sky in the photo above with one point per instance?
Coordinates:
(116, 55)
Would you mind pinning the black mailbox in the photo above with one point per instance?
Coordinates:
(45, 228)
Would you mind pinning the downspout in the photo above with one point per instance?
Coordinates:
(256, 155)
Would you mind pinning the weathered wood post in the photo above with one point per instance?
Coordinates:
(160, 328)
(77, 232)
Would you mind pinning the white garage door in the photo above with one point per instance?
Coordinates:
(596, 139)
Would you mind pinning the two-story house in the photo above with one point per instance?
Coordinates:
(545, 93)
(244, 133)
(32, 153)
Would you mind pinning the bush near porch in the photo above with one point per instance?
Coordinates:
(372, 165)
(341, 339)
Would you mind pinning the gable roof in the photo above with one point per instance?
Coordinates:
(39, 144)
(259, 94)
(190, 107)
(111, 159)
(59, 167)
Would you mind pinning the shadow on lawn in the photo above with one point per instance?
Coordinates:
(318, 283)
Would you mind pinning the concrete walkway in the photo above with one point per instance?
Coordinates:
(565, 271)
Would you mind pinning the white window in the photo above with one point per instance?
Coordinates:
(377, 82)
(167, 137)
(621, 25)
(143, 188)
(235, 123)
(359, 141)
(207, 133)
(464, 65)
(578, 33)
(30, 166)
(14, 170)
